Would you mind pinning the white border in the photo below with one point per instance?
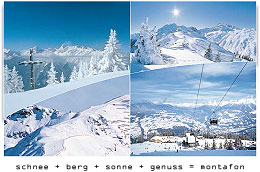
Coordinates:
(252, 164)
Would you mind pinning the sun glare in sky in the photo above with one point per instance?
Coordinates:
(175, 12)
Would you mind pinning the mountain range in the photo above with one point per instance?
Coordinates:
(179, 43)
(236, 116)
(64, 58)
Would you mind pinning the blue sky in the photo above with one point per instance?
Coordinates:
(49, 24)
(180, 84)
(198, 14)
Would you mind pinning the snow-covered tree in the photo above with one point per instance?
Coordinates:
(82, 70)
(93, 64)
(112, 58)
(208, 53)
(6, 80)
(217, 59)
(52, 76)
(85, 69)
(15, 82)
(74, 74)
(148, 51)
(62, 78)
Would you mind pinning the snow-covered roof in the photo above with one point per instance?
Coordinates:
(167, 138)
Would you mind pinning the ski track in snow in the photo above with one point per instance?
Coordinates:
(63, 145)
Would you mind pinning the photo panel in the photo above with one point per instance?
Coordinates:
(169, 34)
(194, 110)
(193, 79)
(66, 78)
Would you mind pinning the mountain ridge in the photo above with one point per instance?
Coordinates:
(230, 41)
(234, 116)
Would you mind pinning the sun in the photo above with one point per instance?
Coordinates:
(175, 12)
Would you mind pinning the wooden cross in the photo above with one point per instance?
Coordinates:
(31, 62)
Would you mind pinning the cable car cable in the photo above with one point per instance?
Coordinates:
(199, 89)
(229, 88)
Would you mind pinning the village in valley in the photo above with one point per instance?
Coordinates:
(167, 142)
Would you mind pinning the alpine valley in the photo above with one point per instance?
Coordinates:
(235, 116)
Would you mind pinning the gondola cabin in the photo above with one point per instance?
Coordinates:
(213, 121)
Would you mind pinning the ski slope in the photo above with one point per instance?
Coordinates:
(181, 45)
(110, 85)
(85, 117)
(180, 57)
(101, 130)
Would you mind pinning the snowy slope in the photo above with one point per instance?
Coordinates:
(189, 38)
(100, 130)
(240, 41)
(183, 57)
(180, 45)
(25, 121)
(234, 116)
(17, 101)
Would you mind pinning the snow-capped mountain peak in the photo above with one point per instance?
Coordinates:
(224, 27)
(245, 101)
(102, 130)
(182, 43)
(70, 50)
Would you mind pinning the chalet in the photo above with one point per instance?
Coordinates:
(190, 139)
(166, 139)
(248, 144)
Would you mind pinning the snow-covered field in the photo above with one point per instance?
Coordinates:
(110, 85)
(184, 57)
(172, 149)
(175, 57)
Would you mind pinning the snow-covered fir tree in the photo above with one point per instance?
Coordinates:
(62, 78)
(112, 58)
(74, 74)
(82, 70)
(6, 79)
(217, 59)
(93, 64)
(148, 51)
(15, 82)
(208, 53)
(52, 76)
(85, 69)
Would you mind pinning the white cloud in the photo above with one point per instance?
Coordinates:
(204, 84)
